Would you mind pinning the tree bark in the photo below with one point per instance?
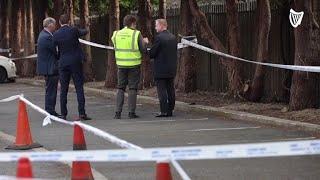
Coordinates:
(17, 33)
(114, 24)
(4, 26)
(69, 10)
(15, 27)
(85, 23)
(29, 48)
(145, 22)
(163, 8)
(263, 22)
(40, 13)
(235, 75)
(58, 10)
(307, 52)
(187, 64)
(204, 31)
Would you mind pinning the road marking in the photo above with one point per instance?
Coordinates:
(294, 139)
(169, 120)
(10, 138)
(223, 129)
(191, 143)
(272, 140)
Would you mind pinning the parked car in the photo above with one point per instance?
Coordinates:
(7, 70)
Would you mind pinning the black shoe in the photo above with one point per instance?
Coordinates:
(132, 115)
(55, 114)
(62, 117)
(117, 115)
(84, 118)
(161, 115)
(169, 114)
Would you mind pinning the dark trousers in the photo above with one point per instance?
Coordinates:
(166, 94)
(66, 72)
(128, 77)
(51, 93)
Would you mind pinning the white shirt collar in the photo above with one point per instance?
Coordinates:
(48, 31)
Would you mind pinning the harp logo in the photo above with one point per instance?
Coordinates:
(295, 18)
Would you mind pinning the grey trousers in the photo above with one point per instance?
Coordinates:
(128, 77)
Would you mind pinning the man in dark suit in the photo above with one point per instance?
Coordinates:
(164, 52)
(70, 64)
(47, 64)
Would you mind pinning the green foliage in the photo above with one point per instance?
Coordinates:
(50, 4)
(98, 7)
(128, 4)
(133, 4)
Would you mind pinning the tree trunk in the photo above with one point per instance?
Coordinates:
(263, 23)
(114, 24)
(307, 53)
(163, 8)
(235, 75)
(29, 45)
(58, 10)
(187, 64)
(145, 22)
(204, 31)
(40, 13)
(85, 23)
(69, 10)
(4, 26)
(17, 33)
(15, 28)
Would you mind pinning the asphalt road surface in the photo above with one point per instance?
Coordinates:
(184, 129)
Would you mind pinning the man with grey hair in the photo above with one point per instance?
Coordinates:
(47, 64)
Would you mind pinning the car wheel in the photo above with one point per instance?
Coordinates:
(3, 75)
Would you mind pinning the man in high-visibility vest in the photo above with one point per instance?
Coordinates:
(129, 47)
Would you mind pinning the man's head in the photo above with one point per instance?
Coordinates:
(50, 24)
(130, 21)
(161, 25)
(64, 19)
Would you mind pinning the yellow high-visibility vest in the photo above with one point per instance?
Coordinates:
(126, 46)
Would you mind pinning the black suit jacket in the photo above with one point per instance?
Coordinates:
(47, 60)
(164, 53)
(69, 49)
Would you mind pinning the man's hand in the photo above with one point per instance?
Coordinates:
(146, 40)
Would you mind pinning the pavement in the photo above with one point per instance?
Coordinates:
(186, 128)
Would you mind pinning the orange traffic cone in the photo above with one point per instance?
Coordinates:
(24, 169)
(23, 136)
(163, 171)
(80, 170)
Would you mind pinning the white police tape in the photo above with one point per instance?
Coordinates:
(17, 178)
(180, 45)
(95, 44)
(11, 98)
(186, 43)
(95, 131)
(231, 151)
(4, 50)
(282, 66)
(33, 56)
